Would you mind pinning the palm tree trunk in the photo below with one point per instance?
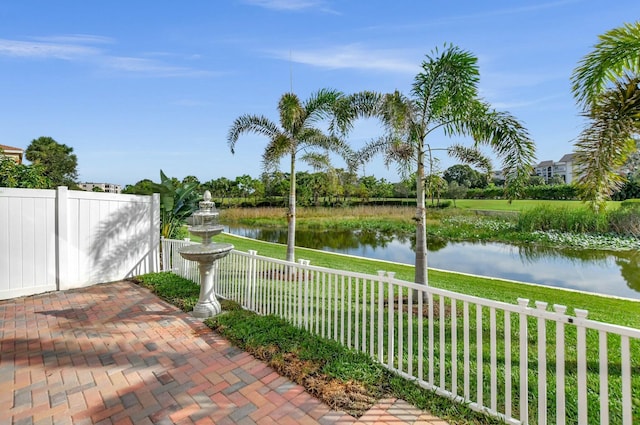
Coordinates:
(291, 215)
(421, 223)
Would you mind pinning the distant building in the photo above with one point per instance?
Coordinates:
(11, 152)
(106, 187)
(565, 168)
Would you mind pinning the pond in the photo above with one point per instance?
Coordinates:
(603, 272)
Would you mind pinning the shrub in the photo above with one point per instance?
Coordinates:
(626, 221)
(488, 193)
(548, 192)
(562, 219)
(630, 203)
(441, 204)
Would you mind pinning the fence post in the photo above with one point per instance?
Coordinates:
(560, 367)
(381, 274)
(524, 363)
(62, 238)
(542, 364)
(390, 325)
(251, 280)
(154, 232)
(582, 366)
(163, 255)
(300, 279)
(305, 277)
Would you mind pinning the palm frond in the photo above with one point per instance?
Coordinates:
(471, 156)
(396, 113)
(292, 113)
(276, 149)
(373, 148)
(347, 109)
(312, 137)
(509, 140)
(603, 147)
(320, 105)
(617, 52)
(402, 154)
(251, 124)
(317, 160)
(448, 81)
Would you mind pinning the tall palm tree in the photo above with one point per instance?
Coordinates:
(606, 86)
(296, 133)
(445, 98)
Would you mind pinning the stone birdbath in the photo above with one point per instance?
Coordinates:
(205, 225)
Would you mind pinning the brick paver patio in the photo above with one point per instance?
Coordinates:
(116, 354)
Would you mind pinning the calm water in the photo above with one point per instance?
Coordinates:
(603, 272)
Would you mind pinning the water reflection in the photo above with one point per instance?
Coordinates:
(605, 272)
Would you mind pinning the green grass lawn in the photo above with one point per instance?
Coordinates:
(519, 205)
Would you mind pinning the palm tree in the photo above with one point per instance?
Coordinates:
(296, 133)
(445, 98)
(606, 86)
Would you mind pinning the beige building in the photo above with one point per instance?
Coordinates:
(14, 153)
(565, 168)
(106, 187)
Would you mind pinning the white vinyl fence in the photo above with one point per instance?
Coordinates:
(521, 363)
(61, 239)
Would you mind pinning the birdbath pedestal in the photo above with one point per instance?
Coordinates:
(206, 255)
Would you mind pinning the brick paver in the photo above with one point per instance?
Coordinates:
(116, 354)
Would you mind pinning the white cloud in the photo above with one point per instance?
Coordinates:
(35, 49)
(353, 56)
(150, 67)
(287, 4)
(75, 48)
(76, 38)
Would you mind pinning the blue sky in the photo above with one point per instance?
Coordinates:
(138, 86)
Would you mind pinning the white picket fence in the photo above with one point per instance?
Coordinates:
(524, 364)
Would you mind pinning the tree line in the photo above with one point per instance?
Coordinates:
(342, 188)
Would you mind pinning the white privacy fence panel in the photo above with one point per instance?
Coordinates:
(526, 363)
(27, 242)
(61, 239)
(110, 236)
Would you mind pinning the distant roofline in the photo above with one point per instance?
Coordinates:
(11, 149)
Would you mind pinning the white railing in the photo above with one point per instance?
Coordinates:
(171, 261)
(523, 364)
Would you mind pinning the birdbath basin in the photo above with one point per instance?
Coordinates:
(206, 255)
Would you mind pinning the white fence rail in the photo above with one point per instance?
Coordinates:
(60, 239)
(524, 364)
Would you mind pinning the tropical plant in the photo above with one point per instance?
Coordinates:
(296, 133)
(445, 98)
(178, 201)
(606, 86)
